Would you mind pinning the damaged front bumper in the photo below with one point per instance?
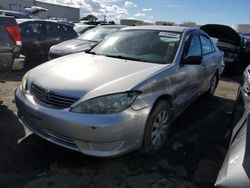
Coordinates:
(96, 135)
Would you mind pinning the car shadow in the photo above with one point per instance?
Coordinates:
(11, 132)
(193, 156)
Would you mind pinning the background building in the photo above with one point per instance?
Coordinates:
(54, 10)
(59, 11)
(16, 5)
(242, 28)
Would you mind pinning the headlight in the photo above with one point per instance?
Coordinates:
(24, 84)
(108, 104)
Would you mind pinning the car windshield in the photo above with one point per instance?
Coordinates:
(97, 34)
(81, 28)
(141, 45)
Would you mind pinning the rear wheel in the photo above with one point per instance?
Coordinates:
(157, 128)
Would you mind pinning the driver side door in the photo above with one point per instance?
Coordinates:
(189, 76)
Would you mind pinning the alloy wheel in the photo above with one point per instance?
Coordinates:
(159, 129)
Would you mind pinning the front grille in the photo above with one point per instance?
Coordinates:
(51, 98)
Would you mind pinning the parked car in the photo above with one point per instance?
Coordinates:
(82, 28)
(10, 44)
(229, 41)
(84, 42)
(39, 35)
(124, 93)
(235, 171)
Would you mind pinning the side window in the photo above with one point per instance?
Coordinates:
(32, 29)
(194, 47)
(53, 29)
(206, 45)
(65, 29)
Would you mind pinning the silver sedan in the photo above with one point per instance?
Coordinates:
(123, 94)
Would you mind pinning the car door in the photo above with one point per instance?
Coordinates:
(67, 32)
(209, 60)
(189, 76)
(33, 34)
(54, 35)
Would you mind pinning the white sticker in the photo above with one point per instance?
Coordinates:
(168, 34)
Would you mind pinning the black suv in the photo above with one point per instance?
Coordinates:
(10, 44)
(39, 35)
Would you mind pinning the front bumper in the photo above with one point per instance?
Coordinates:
(96, 135)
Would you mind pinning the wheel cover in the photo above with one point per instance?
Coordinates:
(159, 129)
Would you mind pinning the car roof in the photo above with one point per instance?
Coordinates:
(112, 26)
(19, 21)
(161, 28)
(85, 25)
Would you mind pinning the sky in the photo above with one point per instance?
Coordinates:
(200, 11)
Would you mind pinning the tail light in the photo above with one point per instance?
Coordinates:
(14, 32)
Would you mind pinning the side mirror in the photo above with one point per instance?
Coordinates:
(192, 60)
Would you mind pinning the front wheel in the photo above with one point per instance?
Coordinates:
(157, 128)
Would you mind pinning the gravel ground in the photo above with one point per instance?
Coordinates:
(192, 157)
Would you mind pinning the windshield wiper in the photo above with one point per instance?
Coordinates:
(124, 57)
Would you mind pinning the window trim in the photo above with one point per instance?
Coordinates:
(188, 42)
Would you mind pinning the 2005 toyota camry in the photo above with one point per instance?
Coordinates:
(123, 94)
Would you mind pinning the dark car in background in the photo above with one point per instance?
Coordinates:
(84, 42)
(229, 41)
(39, 35)
(10, 44)
(82, 28)
(245, 53)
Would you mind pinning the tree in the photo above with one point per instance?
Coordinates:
(89, 17)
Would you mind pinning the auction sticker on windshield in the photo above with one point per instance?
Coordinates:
(169, 34)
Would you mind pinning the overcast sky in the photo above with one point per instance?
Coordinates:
(200, 11)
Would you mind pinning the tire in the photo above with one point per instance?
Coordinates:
(157, 128)
(213, 85)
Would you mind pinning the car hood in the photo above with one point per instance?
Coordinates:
(223, 33)
(71, 46)
(88, 76)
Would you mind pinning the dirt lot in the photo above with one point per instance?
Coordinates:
(192, 157)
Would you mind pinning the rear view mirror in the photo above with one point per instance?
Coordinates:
(192, 60)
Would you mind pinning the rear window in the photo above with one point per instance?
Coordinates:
(34, 28)
(54, 28)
